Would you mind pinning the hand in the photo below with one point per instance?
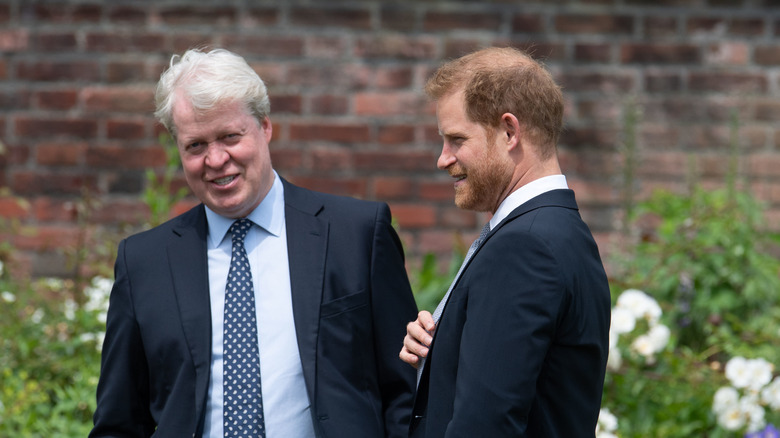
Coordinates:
(418, 338)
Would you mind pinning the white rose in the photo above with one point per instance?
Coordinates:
(725, 397)
(623, 320)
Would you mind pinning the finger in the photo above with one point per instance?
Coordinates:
(413, 346)
(411, 359)
(425, 319)
(418, 334)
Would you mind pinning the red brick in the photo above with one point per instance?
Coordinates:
(216, 16)
(398, 18)
(392, 104)
(14, 40)
(727, 54)
(614, 82)
(86, 13)
(329, 105)
(126, 158)
(705, 25)
(52, 209)
(60, 153)
(47, 12)
(127, 14)
(330, 159)
(586, 137)
(119, 99)
(47, 237)
(56, 99)
(121, 181)
(312, 16)
(750, 27)
(326, 47)
(437, 242)
(763, 164)
(396, 160)
(27, 183)
(396, 46)
(413, 215)
(593, 23)
(349, 76)
(394, 77)
(660, 27)
(395, 134)
(590, 192)
(125, 129)
(457, 47)
(386, 188)
(55, 42)
(728, 82)
(329, 133)
(249, 45)
(645, 53)
(182, 41)
(659, 137)
(437, 190)
(13, 208)
(286, 159)
(121, 211)
(437, 21)
(122, 43)
(127, 71)
(263, 15)
(458, 218)
(527, 23)
(45, 71)
(5, 13)
(39, 127)
(767, 110)
(767, 55)
(592, 52)
(336, 186)
(663, 82)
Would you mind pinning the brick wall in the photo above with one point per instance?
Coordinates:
(345, 77)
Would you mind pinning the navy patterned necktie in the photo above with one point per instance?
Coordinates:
(243, 400)
(440, 308)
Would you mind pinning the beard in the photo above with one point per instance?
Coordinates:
(485, 182)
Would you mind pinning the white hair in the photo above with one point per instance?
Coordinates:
(208, 79)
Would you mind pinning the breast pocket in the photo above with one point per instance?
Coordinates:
(345, 340)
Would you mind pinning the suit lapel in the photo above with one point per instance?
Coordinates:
(307, 239)
(189, 271)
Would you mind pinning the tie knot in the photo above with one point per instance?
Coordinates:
(239, 229)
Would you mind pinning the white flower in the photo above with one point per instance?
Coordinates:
(753, 412)
(623, 320)
(98, 294)
(737, 372)
(37, 316)
(640, 304)
(732, 418)
(69, 309)
(8, 297)
(725, 397)
(659, 337)
(760, 373)
(644, 345)
(770, 395)
(607, 421)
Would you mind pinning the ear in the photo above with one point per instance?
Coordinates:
(510, 129)
(267, 127)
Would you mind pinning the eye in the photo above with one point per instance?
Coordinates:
(231, 138)
(195, 147)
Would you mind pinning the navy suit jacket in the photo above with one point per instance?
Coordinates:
(521, 348)
(351, 302)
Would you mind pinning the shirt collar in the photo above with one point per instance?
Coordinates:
(269, 215)
(526, 193)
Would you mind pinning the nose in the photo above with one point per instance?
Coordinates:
(216, 156)
(446, 158)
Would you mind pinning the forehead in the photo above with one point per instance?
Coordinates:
(190, 121)
(451, 114)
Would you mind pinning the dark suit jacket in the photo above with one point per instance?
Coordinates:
(521, 348)
(351, 302)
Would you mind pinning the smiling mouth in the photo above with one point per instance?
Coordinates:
(224, 180)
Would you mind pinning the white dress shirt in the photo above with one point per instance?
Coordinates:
(286, 407)
(526, 193)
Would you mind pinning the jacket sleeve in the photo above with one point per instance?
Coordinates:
(122, 393)
(393, 307)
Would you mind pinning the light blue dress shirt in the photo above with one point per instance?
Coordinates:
(286, 406)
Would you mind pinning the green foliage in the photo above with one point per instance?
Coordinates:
(430, 284)
(49, 360)
(158, 196)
